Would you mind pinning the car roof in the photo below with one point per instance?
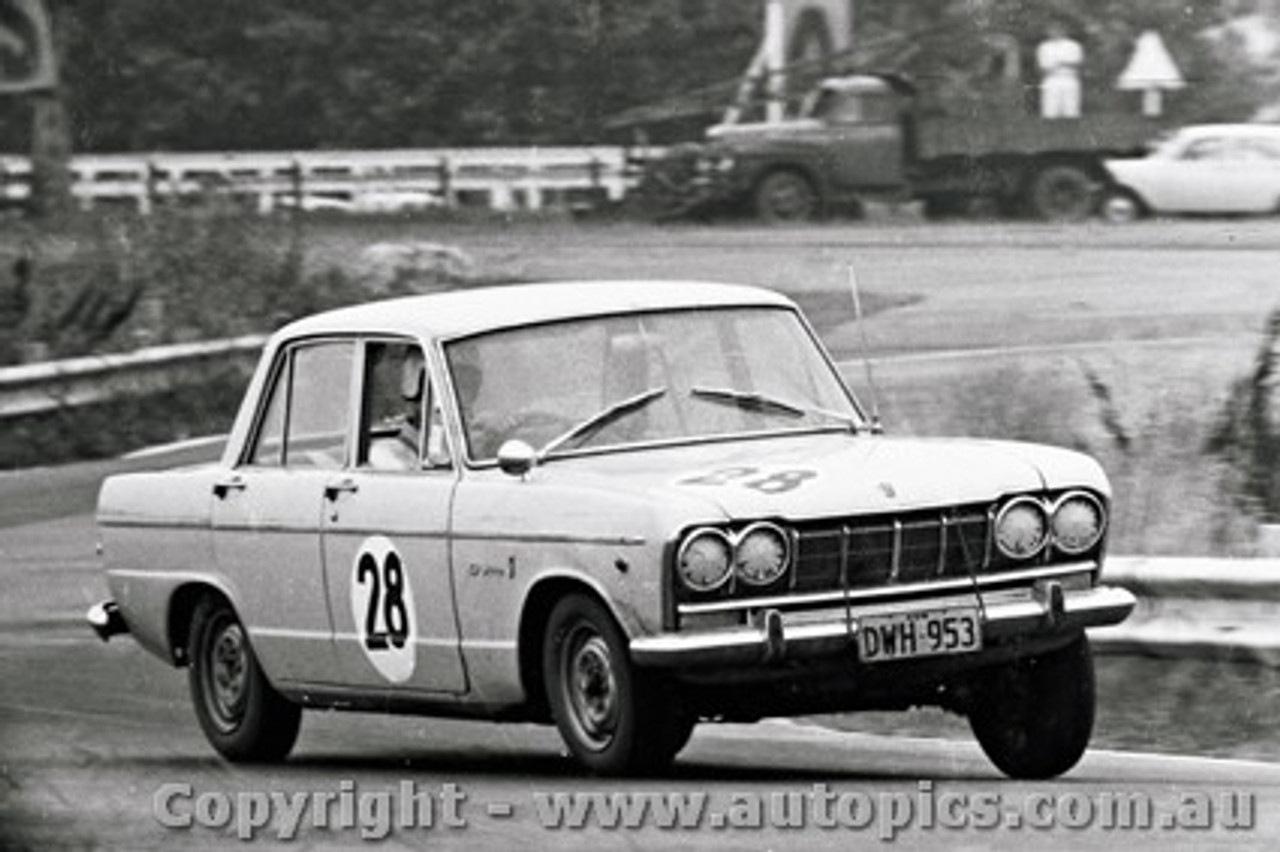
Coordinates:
(460, 313)
(1196, 130)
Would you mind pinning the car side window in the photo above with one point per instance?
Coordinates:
(401, 428)
(305, 423)
(1208, 148)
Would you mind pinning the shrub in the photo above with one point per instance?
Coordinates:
(1247, 435)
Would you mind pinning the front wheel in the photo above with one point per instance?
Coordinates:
(614, 718)
(1033, 718)
(1121, 207)
(786, 196)
(242, 715)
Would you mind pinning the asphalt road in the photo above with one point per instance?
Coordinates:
(99, 746)
(98, 743)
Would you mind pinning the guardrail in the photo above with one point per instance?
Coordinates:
(352, 181)
(31, 389)
(1197, 607)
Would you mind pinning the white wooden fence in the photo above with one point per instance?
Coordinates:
(355, 181)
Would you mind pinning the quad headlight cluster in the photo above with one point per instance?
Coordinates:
(758, 555)
(1072, 524)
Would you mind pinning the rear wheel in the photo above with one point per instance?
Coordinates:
(786, 196)
(1061, 193)
(242, 715)
(614, 718)
(1033, 718)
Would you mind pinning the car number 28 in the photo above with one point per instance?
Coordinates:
(899, 636)
(382, 608)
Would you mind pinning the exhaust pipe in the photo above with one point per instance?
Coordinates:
(106, 620)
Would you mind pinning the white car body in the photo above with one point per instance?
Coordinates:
(1201, 169)
(708, 513)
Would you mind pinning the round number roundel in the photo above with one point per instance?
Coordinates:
(382, 606)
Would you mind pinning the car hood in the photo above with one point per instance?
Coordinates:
(1125, 170)
(827, 475)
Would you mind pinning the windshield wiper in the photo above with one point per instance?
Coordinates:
(755, 401)
(597, 422)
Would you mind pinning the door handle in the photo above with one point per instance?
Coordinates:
(342, 486)
(223, 487)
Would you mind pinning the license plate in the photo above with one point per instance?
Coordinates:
(927, 633)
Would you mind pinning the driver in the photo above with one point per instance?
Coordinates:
(484, 433)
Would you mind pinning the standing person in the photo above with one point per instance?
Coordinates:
(1059, 57)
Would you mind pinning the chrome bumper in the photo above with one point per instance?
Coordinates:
(106, 620)
(776, 635)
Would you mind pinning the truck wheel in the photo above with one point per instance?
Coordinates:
(1061, 193)
(1033, 718)
(242, 715)
(786, 196)
(613, 717)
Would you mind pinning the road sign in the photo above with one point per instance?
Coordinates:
(26, 47)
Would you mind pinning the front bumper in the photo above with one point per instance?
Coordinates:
(1046, 609)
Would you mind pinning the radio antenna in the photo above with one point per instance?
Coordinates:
(876, 426)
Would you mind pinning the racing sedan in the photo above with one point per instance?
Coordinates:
(623, 508)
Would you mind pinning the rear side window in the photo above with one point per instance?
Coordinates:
(305, 422)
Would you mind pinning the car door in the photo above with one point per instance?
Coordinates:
(867, 134)
(267, 510)
(385, 541)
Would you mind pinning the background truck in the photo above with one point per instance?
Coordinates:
(875, 137)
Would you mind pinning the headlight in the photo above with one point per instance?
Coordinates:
(1022, 530)
(1078, 522)
(762, 554)
(705, 560)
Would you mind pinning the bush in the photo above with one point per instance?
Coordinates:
(117, 282)
(1247, 435)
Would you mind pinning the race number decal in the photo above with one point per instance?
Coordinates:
(382, 607)
(767, 482)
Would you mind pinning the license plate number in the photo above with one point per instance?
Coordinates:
(927, 633)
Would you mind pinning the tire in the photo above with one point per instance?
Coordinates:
(944, 206)
(1120, 207)
(614, 718)
(242, 715)
(785, 196)
(1061, 193)
(1033, 718)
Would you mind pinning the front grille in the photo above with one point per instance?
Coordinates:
(870, 552)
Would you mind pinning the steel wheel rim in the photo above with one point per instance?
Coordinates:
(590, 684)
(1120, 209)
(226, 674)
(790, 200)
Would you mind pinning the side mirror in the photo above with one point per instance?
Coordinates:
(516, 458)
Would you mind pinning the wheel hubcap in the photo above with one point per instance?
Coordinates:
(227, 674)
(592, 688)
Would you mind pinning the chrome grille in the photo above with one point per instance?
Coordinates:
(891, 550)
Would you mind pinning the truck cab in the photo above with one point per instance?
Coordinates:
(848, 140)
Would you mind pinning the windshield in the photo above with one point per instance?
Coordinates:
(623, 380)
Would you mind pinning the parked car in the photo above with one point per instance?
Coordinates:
(1209, 168)
(624, 508)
